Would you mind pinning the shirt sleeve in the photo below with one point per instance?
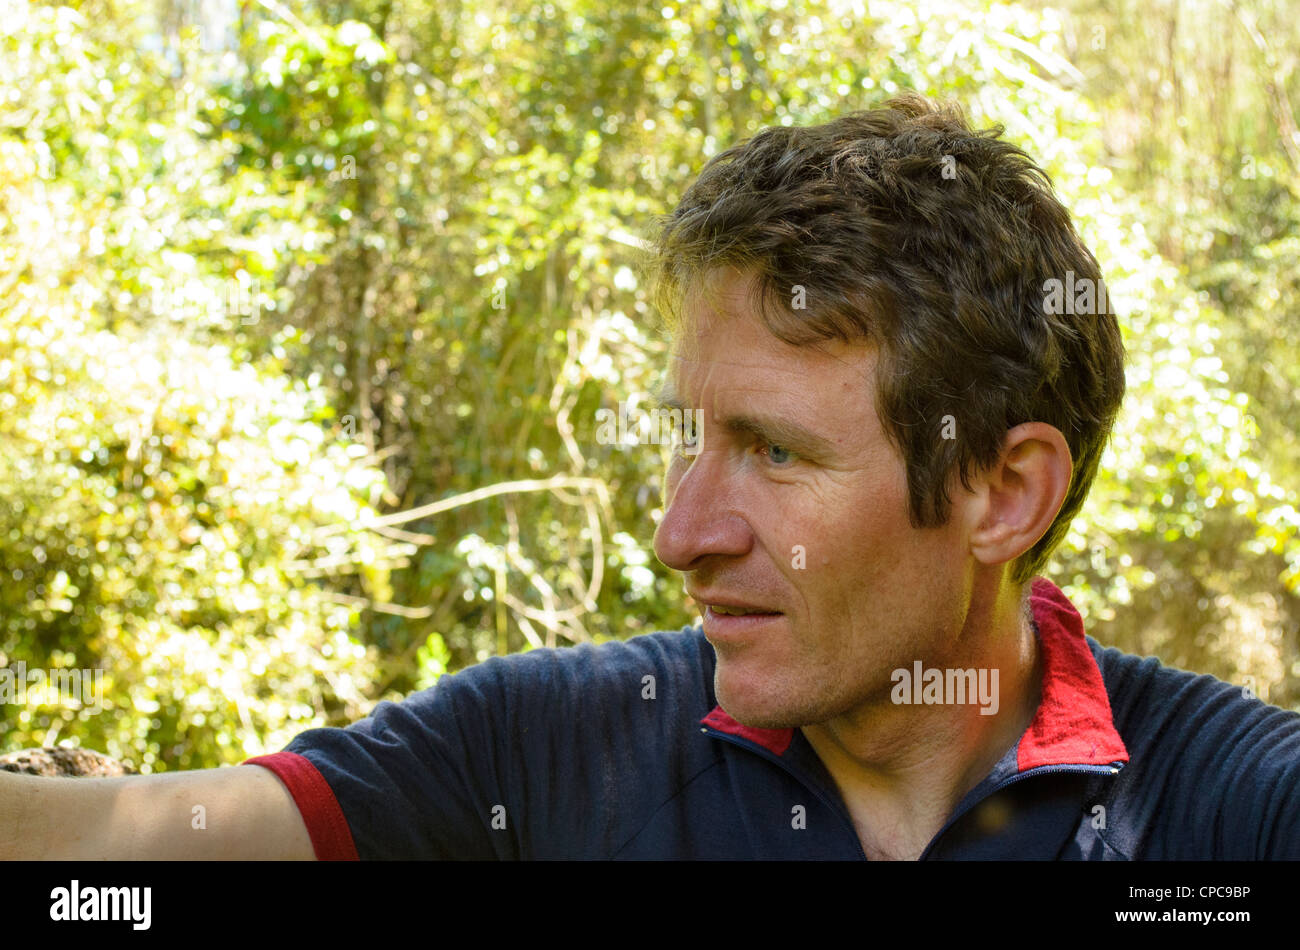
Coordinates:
(1213, 773)
(539, 755)
(419, 779)
(331, 838)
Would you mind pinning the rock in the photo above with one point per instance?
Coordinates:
(56, 762)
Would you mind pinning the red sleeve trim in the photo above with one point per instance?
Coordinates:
(331, 838)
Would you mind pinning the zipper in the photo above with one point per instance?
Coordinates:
(1111, 769)
(837, 806)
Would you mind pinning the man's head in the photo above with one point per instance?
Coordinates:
(878, 282)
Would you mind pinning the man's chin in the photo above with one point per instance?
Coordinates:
(762, 701)
(757, 710)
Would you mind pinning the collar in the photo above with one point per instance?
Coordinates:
(1073, 724)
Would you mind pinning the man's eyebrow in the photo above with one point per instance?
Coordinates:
(770, 429)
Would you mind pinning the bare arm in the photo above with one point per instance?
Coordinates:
(248, 813)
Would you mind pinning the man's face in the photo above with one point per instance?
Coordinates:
(795, 504)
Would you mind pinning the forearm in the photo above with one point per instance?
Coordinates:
(240, 813)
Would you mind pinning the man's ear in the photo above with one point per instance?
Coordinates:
(1019, 496)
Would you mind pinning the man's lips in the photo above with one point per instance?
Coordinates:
(719, 610)
(724, 605)
(735, 630)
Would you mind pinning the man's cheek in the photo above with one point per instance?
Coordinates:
(803, 546)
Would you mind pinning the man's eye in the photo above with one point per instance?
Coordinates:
(779, 456)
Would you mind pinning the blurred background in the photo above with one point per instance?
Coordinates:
(307, 310)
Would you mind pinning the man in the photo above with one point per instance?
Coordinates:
(898, 427)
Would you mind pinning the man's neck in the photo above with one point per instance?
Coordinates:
(902, 769)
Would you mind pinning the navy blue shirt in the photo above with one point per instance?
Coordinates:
(620, 751)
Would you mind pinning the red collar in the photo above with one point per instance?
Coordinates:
(1073, 724)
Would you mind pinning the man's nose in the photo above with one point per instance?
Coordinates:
(702, 517)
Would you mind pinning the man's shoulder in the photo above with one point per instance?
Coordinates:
(1212, 769)
(605, 687)
(669, 673)
(525, 755)
(1145, 693)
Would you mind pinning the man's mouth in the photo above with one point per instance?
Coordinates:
(727, 614)
(733, 626)
(738, 611)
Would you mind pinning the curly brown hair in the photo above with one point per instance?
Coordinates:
(935, 243)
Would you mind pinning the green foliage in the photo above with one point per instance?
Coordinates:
(154, 496)
(156, 493)
(431, 661)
